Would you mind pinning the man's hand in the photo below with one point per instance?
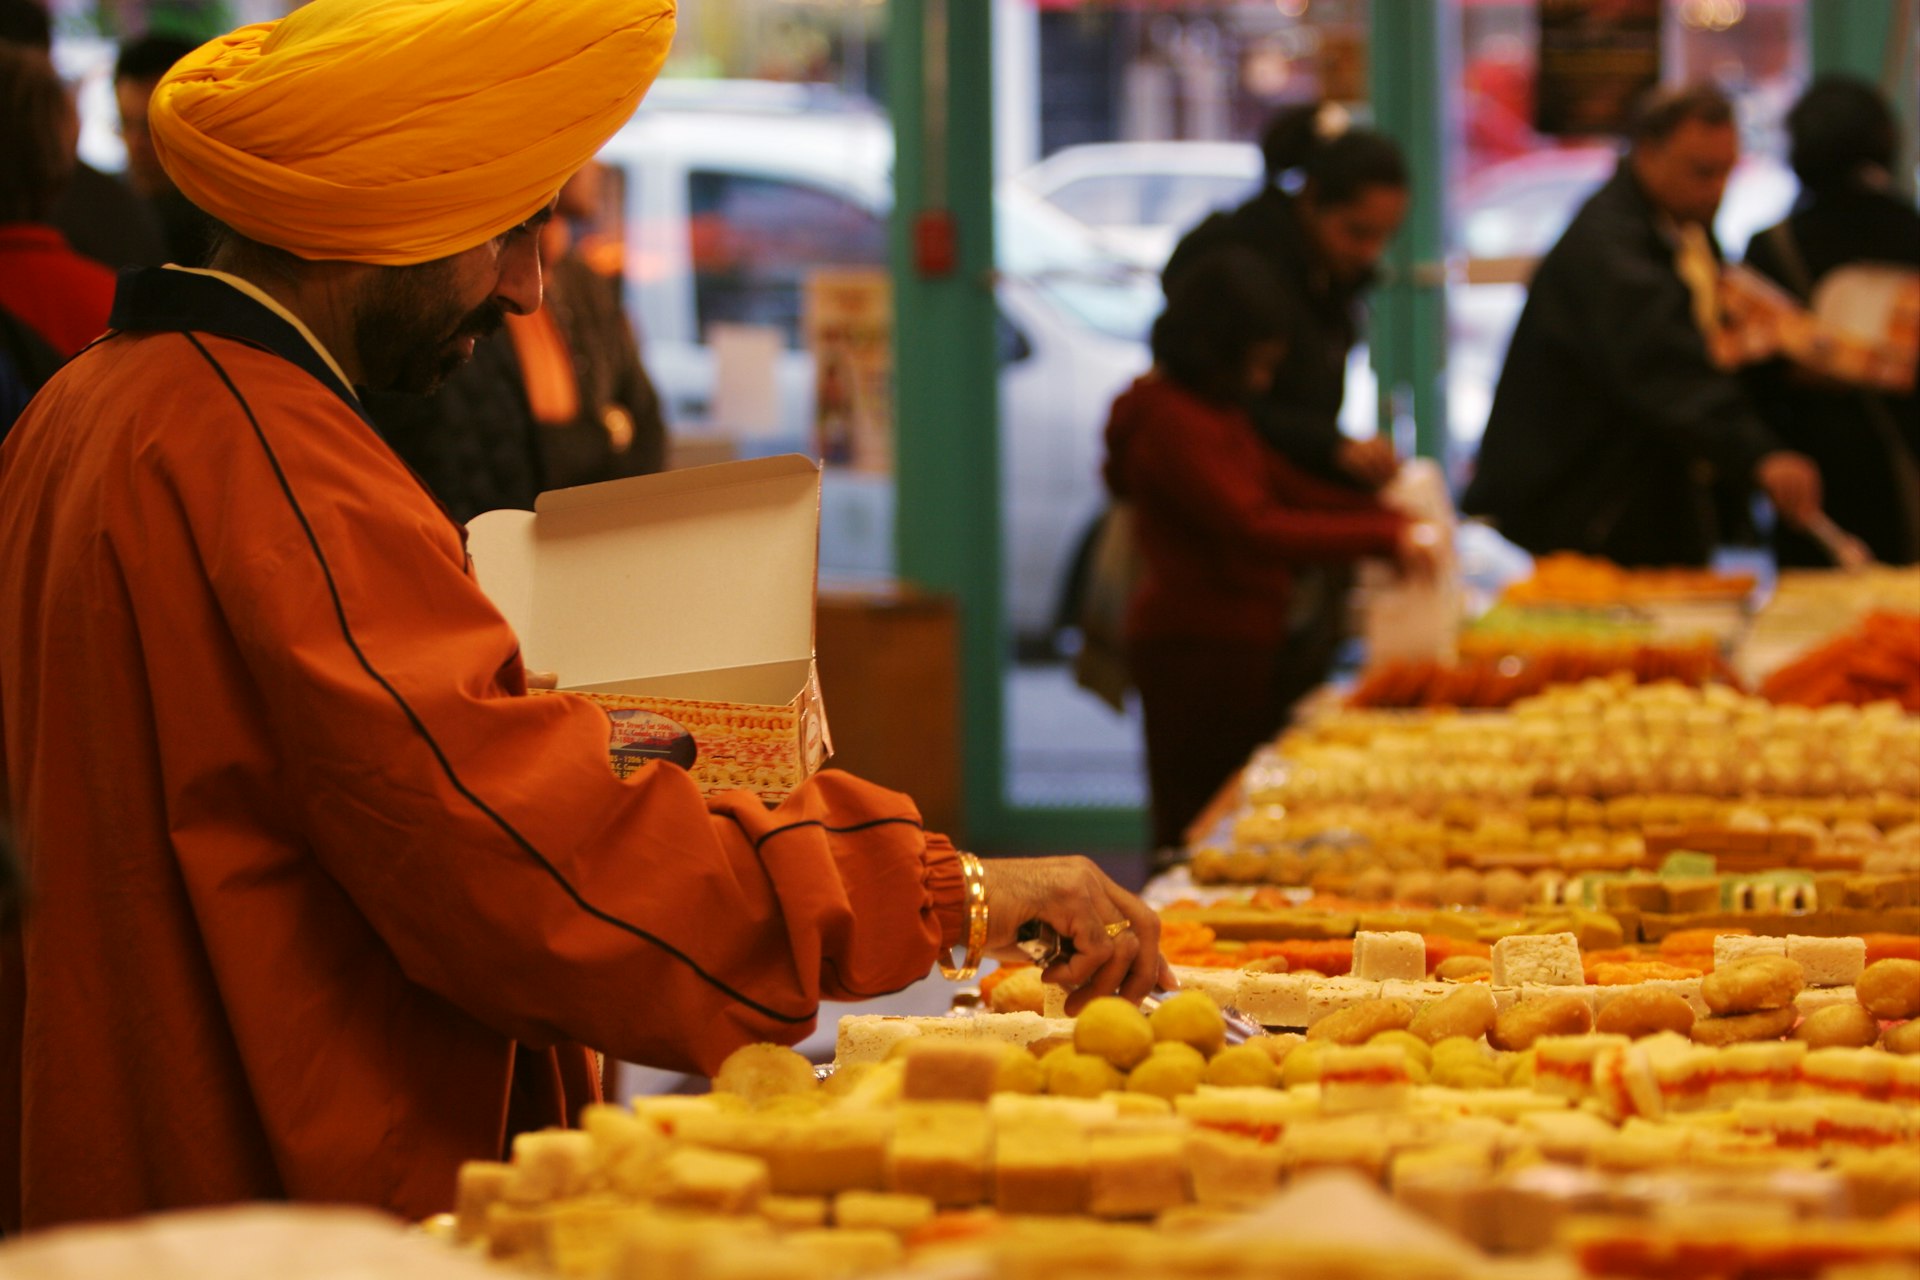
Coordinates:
(1371, 462)
(1085, 908)
(1792, 481)
(1420, 549)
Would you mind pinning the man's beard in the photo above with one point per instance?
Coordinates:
(412, 328)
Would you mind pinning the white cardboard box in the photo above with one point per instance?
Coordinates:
(683, 603)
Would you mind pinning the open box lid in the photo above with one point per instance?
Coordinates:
(704, 570)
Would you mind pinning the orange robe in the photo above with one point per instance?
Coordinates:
(305, 865)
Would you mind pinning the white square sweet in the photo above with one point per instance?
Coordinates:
(1417, 993)
(1549, 958)
(1828, 962)
(1544, 990)
(868, 1037)
(1218, 985)
(1330, 995)
(1728, 947)
(1380, 956)
(1814, 999)
(1275, 999)
(1687, 989)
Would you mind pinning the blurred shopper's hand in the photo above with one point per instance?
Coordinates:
(1792, 481)
(1371, 462)
(1421, 547)
(1115, 936)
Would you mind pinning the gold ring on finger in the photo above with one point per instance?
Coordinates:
(1118, 927)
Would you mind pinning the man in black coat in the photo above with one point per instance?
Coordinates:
(1612, 425)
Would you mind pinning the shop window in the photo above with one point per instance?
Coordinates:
(752, 241)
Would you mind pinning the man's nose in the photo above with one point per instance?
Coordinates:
(521, 282)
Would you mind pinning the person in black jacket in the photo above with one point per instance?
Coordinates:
(1335, 195)
(1612, 425)
(1866, 443)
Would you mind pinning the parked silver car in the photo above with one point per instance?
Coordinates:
(731, 200)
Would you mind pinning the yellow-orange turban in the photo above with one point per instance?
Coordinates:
(399, 131)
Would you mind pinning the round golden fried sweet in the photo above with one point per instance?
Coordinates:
(1304, 1064)
(1504, 890)
(1421, 887)
(1890, 989)
(1019, 992)
(1517, 1069)
(1242, 1065)
(1840, 1026)
(1459, 1063)
(1468, 1012)
(1518, 1027)
(1179, 1051)
(1460, 887)
(1277, 1047)
(842, 1081)
(1360, 1023)
(1738, 1028)
(1286, 868)
(1168, 1075)
(762, 1072)
(1072, 1074)
(1417, 1050)
(1460, 968)
(1753, 985)
(1461, 1048)
(1047, 1044)
(1904, 1038)
(1189, 1017)
(1113, 1029)
(1375, 884)
(1645, 1011)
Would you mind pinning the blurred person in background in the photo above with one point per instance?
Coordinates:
(53, 300)
(1865, 442)
(1335, 195)
(558, 399)
(1224, 523)
(188, 233)
(99, 215)
(1613, 428)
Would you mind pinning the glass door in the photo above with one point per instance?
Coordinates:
(1131, 123)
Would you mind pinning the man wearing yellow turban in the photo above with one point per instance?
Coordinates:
(320, 904)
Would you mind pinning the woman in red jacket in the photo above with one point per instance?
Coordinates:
(1221, 520)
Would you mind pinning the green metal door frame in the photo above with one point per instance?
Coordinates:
(1408, 66)
(946, 366)
(947, 451)
(1849, 35)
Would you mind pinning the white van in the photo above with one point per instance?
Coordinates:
(733, 192)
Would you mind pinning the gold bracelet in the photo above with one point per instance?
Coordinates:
(974, 875)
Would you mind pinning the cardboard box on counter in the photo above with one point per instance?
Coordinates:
(682, 603)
